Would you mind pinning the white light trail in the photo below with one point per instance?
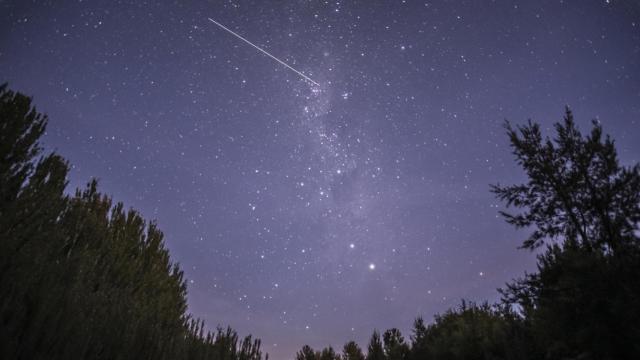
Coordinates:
(264, 52)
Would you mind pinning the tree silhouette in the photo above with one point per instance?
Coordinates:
(469, 332)
(351, 351)
(307, 353)
(394, 345)
(375, 351)
(585, 207)
(329, 354)
(80, 276)
(419, 346)
(577, 190)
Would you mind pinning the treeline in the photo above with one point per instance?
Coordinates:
(583, 209)
(84, 278)
(468, 332)
(80, 276)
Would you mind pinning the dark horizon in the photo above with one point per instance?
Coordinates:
(306, 215)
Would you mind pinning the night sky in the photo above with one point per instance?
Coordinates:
(307, 214)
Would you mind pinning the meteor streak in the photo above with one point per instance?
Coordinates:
(264, 52)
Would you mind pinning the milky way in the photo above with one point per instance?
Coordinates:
(308, 214)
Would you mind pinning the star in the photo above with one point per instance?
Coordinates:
(265, 184)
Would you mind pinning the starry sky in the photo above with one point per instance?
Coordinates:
(307, 214)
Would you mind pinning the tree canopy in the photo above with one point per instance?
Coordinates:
(583, 211)
(577, 191)
(585, 207)
(81, 276)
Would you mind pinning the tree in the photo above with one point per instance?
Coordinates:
(20, 129)
(375, 351)
(81, 277)
(585, 208)
(306, 353)
(469, 332)
(419, 346)
(577, 190)
(329, 354)
(31, 202)
(394, 345)
(351, 351)
(31, 186)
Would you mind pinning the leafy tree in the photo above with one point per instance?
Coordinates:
(375, 351)
(31, 201)
(351, 351)
(577, 190)
(329, 354)
(31, 186)
(419, 340)
(306, 353)
(20, 129)
(469, 332)
(394, 345)
(585, 207)
(80, 276)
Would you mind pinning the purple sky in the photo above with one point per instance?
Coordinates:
(310, 214)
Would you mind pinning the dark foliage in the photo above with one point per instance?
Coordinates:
(84, 278)
(471, 332)
(307, 353)
(582, 303)
(351, 351)
(394, 345)
(329, 354)
(577, 190)
(583, 208)
(375, 351)
(81, 277)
